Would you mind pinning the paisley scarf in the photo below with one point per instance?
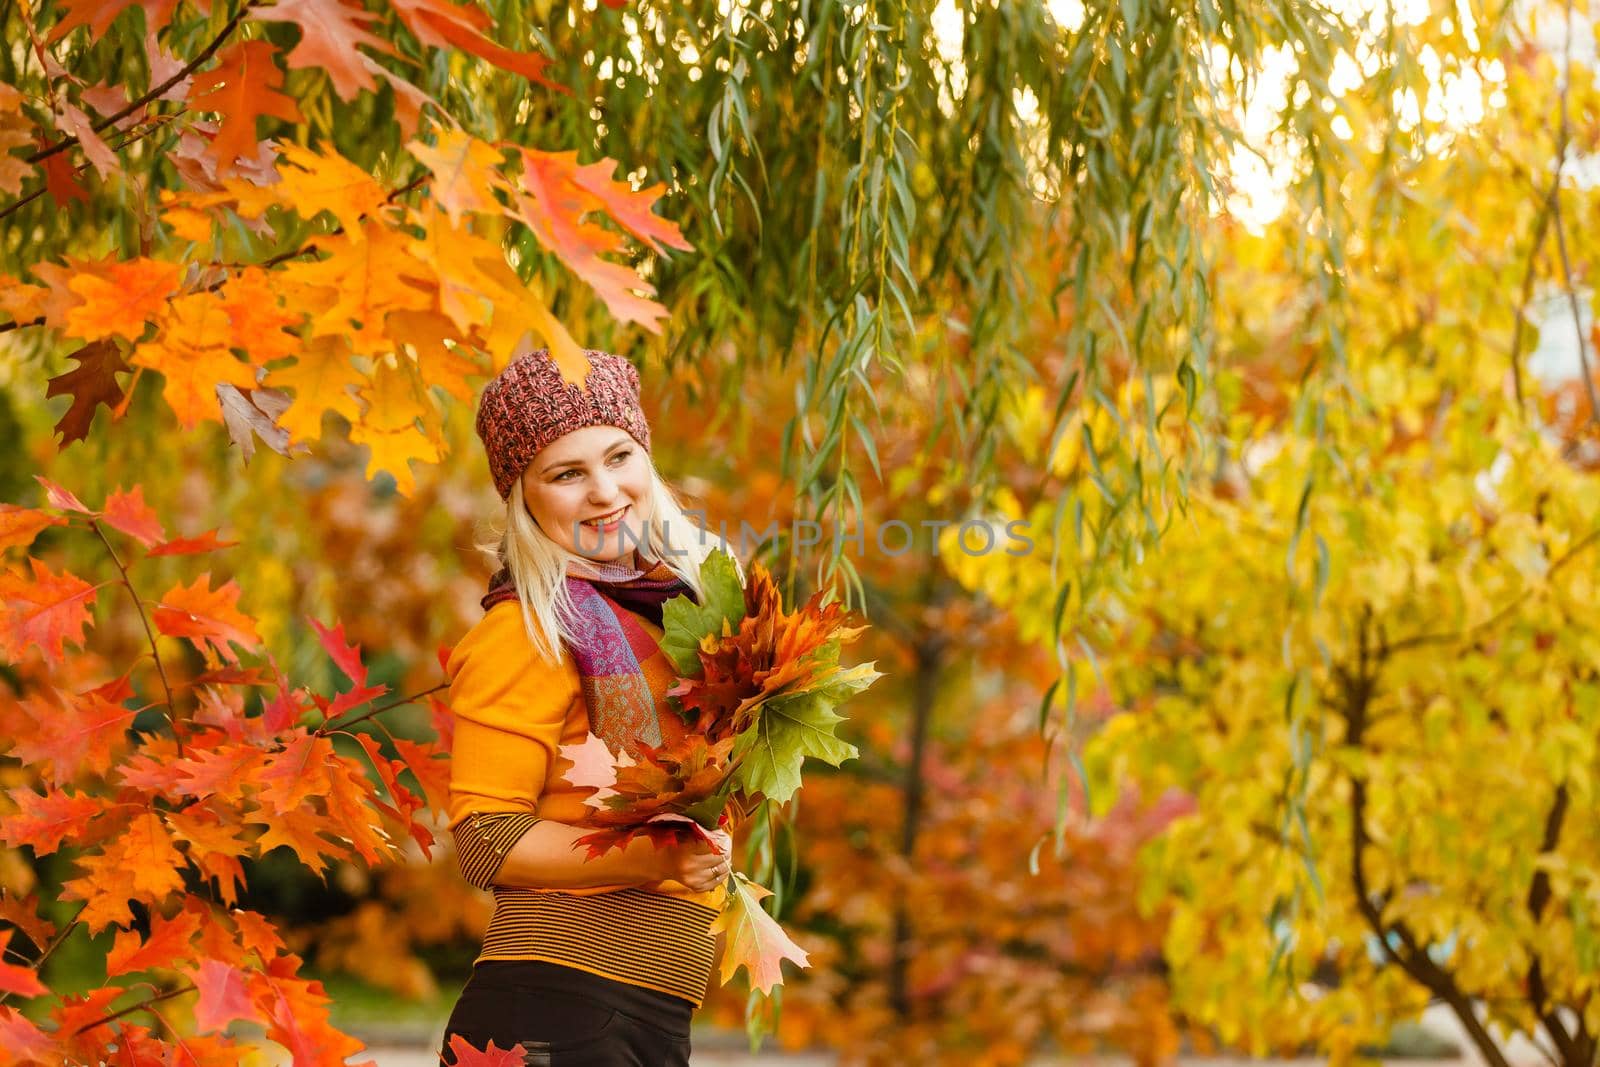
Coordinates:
(617, 659)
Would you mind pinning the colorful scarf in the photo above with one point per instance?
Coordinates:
(610, 647)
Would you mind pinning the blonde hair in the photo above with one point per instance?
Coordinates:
(538, 565)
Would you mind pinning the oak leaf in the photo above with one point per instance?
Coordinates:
(330, 32)
(210, 618)
(91, 383)
(243, 87)
(44, 611)
(122, 298)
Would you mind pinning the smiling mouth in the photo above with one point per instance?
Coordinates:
(606, 520)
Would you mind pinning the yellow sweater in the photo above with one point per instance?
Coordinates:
(513, 711)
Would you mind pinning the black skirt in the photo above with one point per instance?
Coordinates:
(564, 1017)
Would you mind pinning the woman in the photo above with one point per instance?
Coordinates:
(585, 962)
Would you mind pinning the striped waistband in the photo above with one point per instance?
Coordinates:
(634, 936)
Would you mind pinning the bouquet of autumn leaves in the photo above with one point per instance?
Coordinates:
(757, 689)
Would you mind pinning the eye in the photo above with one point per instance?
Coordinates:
(624, 454)
(563, 475)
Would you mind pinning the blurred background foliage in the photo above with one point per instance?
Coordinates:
(1272, 321)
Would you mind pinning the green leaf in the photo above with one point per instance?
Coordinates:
(684, 623)
(790, 728)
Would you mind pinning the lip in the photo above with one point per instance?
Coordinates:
(612, 518)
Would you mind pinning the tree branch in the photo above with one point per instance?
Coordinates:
(189, 68)
(1411, 957)
(1538, 897)
(329, 727)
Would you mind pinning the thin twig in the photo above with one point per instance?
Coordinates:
(138, 605)
(189, 68)
(329, 727)
(131, 1008)
(1561, 238)
(54, 944)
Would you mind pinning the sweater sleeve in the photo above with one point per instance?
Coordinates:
(510, 708)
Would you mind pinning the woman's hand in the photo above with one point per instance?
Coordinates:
(699, 864)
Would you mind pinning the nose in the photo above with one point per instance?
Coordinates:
(602, 488)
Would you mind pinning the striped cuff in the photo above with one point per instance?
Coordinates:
(483, 839)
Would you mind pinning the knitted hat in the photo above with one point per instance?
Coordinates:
(528, 405)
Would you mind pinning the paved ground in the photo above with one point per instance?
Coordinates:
(726, 1050)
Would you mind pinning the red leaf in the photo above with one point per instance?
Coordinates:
(23, 981)
(208, 617)
(127, 511)
(167, 945)
(296, 1011)
(184, 546)
(45, 612)
(43, 821)
(24, 915)
(431, 766)
(345, 653)
(80, 736)
(22, 1040)
(468, 1055)
(59, 497)
(224, 995)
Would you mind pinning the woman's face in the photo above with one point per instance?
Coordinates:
(588, 474)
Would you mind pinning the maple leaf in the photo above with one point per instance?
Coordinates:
(685, 622)
(208, 617)
(44, 612)
(330, 32)
(43, 821)
(19, 525)
(220, 772)
(128, 512)
(754, 941)
(214, 846)
(789, 729)
(594, 766)
(193, 355)
(252, 413)
(168, 944)
(465, 172)
(139, 863)
(467, 1054)
(71, 119)
(224, 995)
(91, 383)
(243, 87)
(122, 298)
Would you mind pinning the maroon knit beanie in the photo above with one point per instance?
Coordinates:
(528, 405)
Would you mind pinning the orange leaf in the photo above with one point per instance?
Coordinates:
(122, 299)
(442, 24)
(208, 617)
(243, 87)
(45, 612)
(755, 941)
(224, 996)
(465, 173)
(192, 353)
(43, 821)
(19, 526)
(81, 736)
(183, 546)
(167, 945)
(23, 981)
